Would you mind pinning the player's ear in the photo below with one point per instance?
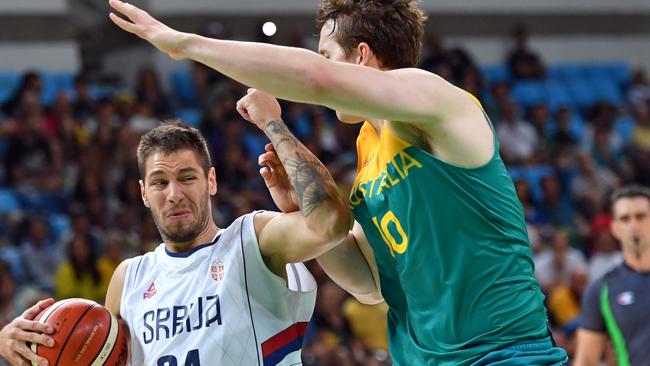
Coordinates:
(364, 54)
(143, 194)
(212, 181)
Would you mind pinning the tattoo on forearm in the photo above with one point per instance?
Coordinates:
(312, 182)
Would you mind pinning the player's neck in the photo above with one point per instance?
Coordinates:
(206, 236)
(639, 263)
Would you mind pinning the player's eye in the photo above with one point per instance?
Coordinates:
(158, 183)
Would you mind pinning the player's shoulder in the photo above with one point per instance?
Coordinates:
(594, 289)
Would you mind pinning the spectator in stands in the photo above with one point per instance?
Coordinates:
(522, 62)
(556, 207)
(641, 136)
(149, 92)
(7, 295)
(79, 275)
(518, 138)
(27, 93)
(591, 183)
(28, 154)
(606, 255)
(639, 91)
(557, 265)
(40, 255)
(84, 105)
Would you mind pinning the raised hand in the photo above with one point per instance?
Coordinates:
(259, 108)
(14, 337)
(277, 181)
(148, 28)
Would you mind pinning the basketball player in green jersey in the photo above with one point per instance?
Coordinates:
(432, 194)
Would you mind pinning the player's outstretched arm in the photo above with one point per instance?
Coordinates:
(300, 75)
(323, 219)
(350, 264)
(14, 337)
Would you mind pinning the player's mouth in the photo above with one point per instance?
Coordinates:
(179, 214)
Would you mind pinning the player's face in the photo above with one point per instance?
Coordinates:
(328, 47)
(631, 222)
(178, 193)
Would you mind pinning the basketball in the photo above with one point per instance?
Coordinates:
(85, 333)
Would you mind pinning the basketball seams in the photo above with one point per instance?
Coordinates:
(109, 342)
(56, 363)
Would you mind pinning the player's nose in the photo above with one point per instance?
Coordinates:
(175, 192)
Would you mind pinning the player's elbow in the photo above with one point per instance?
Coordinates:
(336, 224)
(321, 83)
(372, 298)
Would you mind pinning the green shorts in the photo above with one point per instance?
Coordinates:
(539, 353)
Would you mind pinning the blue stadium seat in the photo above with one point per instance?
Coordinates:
(607, 90)
(558, 95)
(50, 88)
(583, 93)
(9, 201)
(495, 73)
(533, 176)
(191, 116)
(65, 82)
(528, 93)
(183, 86)
(566, 71)
(59, 224)
(621, 71)
(8, 83)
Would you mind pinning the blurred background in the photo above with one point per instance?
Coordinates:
(564, 82)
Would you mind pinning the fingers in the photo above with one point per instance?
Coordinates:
(27, 353)
(16, 360)
(125, 8)
(241, 109)
(269, 158)
(127, 26)
(33, 337)
(31, 313)
(266, 173)
(269, 147)
(33, 326)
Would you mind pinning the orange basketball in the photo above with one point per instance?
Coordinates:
(85, 334)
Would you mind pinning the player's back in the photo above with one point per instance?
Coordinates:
(216, 305)
(452, 250)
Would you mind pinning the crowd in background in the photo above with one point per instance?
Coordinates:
(71, 207)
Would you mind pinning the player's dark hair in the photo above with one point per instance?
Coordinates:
(629, 191)
(392, 28)
(170, 137)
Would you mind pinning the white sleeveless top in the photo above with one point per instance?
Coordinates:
(217, 304)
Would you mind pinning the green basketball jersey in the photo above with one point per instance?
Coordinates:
(452, 250)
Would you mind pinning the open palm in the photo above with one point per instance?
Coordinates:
(148, 28)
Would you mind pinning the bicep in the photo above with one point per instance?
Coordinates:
(411, 95)
(115, 287)
(589, 348)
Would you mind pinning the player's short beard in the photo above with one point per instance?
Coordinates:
(184, 236)
(638, 247)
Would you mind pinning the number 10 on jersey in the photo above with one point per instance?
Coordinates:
(389, 227)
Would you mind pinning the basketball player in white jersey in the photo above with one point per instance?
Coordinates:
(209, 296)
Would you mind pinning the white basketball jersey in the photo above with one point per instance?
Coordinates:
(216, 305)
